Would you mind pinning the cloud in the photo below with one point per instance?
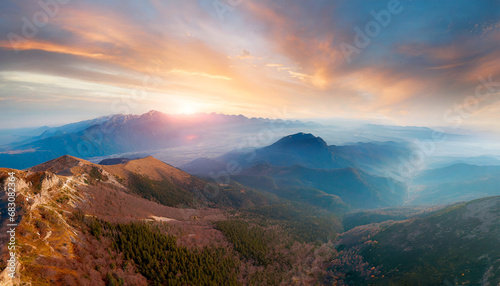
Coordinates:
(274, 65)
(201, 74)
(299, 75)
(268, 53)
(245, 55)
(395, 67)
(15, 152)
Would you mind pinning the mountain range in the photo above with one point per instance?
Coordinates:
(180, 139)
(288, 209)
(309, 151)
(71, 210)
(144, 222)
(303, 161)
(117, 134)
(458, 182)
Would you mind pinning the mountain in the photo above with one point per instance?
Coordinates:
(152, 179)
(354, 187)
(443, 161)
(117, 134)
(145, 222)
(64, 166)
(460, 172)
(307, 168)
(65, 129)
(303, 149)
(454, 246)
(392, 132)
(458, 182)
(60, 204)
(298, 149)
(8, 136)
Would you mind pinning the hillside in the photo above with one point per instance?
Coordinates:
(144, 222)
(303, 167)
(455, 246)
(458, 182)
(85, 224)
(354, 187)
(150, 167)
(53, 249)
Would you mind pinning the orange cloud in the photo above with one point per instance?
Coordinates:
(294, 60)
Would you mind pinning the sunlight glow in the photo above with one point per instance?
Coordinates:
(188, 107)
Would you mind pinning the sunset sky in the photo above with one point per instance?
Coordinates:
(76, 60)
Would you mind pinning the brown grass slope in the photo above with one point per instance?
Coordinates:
(150, 167)
(53, 251)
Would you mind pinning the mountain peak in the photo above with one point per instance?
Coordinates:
(298, 149)
(301, 139)
(60, 166)
(148, 166)
(153, 114)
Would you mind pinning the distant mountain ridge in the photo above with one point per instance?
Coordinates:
(455, 183)
(307, 150)
(354, 187)
(117, 134)
(298, 149)
(455, 173)
(302, 163)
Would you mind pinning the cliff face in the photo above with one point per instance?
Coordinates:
(43, 231)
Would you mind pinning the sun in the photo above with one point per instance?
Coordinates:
(187, 109)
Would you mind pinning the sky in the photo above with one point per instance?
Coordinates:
(419, 63)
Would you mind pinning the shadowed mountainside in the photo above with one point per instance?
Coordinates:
(304, 166)
(458, 182)
(457, 245)
(354, 187)
(379, 158)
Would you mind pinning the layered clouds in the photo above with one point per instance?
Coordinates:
(407, 62)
